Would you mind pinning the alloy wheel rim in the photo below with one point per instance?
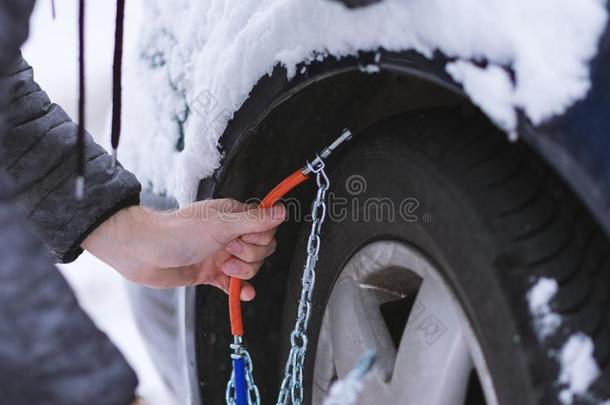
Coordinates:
(389, 297)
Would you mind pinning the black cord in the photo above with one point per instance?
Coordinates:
(80, 181)
(115, 133)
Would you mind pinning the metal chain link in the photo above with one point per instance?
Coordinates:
(253, 394)
(292, 383)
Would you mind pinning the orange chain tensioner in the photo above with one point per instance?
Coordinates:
(279, 191)
(290, 182)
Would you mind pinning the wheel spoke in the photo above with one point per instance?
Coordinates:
(433, 364)
(355, 326)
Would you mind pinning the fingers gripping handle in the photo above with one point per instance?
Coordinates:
(290, 182)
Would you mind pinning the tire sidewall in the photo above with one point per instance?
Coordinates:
(397, 163)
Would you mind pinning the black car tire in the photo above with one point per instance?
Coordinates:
(495, 219)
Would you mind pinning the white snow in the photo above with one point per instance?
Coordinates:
(539, 297)
(491, 89)
(370, 68)
(344, 392)
(216, 50)
(578, 367)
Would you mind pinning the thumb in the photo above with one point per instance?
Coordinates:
(255, 220)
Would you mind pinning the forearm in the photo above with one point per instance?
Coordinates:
(122, 241)
(148, 247)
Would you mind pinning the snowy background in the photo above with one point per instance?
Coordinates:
(52, 50)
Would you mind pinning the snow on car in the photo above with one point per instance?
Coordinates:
(213, 52)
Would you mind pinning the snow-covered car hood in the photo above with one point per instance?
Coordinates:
(529, 55)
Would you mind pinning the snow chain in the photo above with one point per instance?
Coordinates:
(292, 383)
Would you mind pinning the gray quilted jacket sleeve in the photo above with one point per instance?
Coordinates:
(40, 153)
(50, 351)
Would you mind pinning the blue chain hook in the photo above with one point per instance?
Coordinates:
(241, 387)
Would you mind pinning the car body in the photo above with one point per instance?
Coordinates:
(287, 118)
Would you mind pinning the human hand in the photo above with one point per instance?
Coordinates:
(203, 243)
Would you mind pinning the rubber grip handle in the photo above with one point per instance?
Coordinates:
(279, 191)
(241, 385)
